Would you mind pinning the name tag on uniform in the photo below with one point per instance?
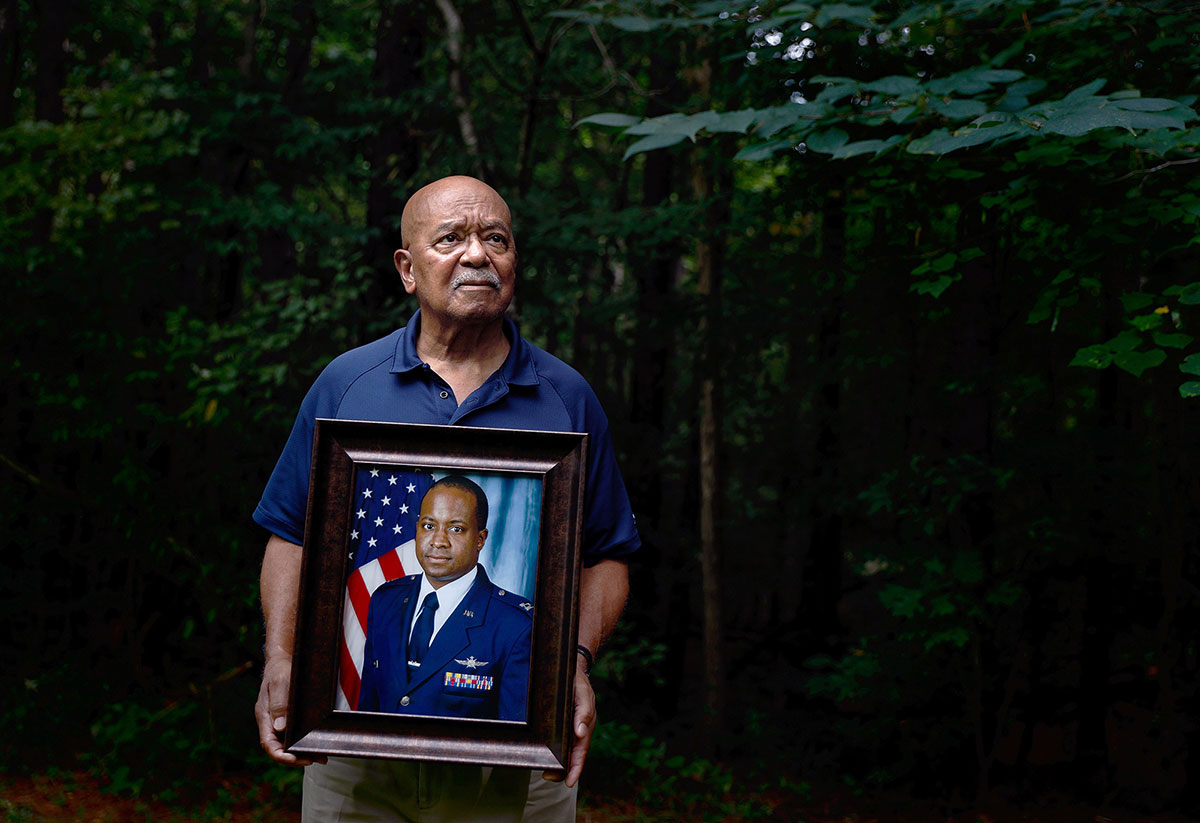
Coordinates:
(460, 680)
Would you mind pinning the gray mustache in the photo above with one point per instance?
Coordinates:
(490, 278)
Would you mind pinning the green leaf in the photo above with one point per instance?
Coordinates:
(629, 23)
(1190, 389)
(942, 141)
(1132, 301)
(935, 287)
(901, 600)
(1190, 364)
(1079, 123)
(1093, 357)
(1145, 104)
(610, 118)
(1086, 90)
(855, 15)
(762, 151)
(1189, 295)
(943, 263)
(826, 142)
(896, 84)
(654, 141)
(957, 636)
(1136, 362)
(686, 125)
(1125, 341)
(958, 109)
(777, 118)
(1146, 322)
(1172, 341)
(866, 147)
(968, 567)
(733, 121)
(972, 81)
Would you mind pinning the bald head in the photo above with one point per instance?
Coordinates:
(458, 255)
(454, 193)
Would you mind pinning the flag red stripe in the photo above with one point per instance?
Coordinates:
(391, 567)
(348, 675)
(360, 598)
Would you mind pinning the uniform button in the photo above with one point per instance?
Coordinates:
(404, 701)
(445, 394)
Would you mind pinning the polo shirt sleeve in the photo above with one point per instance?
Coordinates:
(284, 502)
(608, 526)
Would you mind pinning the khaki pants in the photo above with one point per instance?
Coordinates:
(357, 790)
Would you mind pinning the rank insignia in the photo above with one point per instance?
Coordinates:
(527, 606)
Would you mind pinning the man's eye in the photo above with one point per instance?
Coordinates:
(456, 528)
(426, 526)
(449, 238)
(499, 238)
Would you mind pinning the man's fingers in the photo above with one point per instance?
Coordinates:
(271, 712)
(585, 722)
(276, 683)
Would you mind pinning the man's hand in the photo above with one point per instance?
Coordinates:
(602, 592)
(280, 583)
(585, 724)
(271, 711)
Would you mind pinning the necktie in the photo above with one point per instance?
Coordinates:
(422, 631)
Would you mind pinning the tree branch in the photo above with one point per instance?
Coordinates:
(1159, 167)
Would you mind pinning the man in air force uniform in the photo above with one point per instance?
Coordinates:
(448, 642)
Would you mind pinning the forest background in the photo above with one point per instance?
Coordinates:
(891, 306)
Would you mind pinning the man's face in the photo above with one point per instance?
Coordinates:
(460, 256)
(448, 539)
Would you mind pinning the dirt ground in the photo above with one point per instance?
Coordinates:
(77, 797)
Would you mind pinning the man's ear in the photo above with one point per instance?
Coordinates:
(481, 537)
(403, 260)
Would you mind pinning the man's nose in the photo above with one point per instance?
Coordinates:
(441, 538)
(474, 254)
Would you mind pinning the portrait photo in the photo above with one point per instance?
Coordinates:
(439, 600)
(438, 609)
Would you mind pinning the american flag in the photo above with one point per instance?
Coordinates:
(386, 503)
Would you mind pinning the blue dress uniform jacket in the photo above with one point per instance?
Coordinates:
(477, 665)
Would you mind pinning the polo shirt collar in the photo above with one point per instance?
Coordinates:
(517, 369)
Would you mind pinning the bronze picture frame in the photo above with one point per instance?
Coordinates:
(317, 726)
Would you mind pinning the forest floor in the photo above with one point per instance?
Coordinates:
(79, 797)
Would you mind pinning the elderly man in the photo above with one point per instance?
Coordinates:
(459, 361)
(448, 642)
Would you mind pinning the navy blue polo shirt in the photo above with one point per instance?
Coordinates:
(387, 381)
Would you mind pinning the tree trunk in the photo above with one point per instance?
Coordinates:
(51, 59)
(10, 61)
(709, 251)
(394, 152)
(458, 86)
(821, 572)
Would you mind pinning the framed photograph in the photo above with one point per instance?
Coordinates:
(438, 608)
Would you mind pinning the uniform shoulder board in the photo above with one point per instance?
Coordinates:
(526, 605)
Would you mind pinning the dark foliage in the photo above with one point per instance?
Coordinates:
(950, 255)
